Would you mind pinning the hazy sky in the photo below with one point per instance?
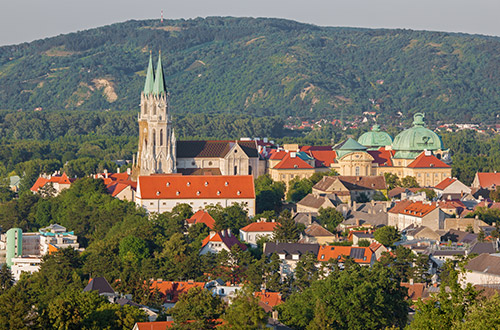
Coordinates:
(27, 20)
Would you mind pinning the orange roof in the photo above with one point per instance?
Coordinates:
(114, 188)
(259, 226)
(52, 248)
(158, 325)
(202, 216)
(289, 162)
(277, 155)
(374, 246)
(323, 157)
(225, 237)
(418, 209)
(40, 182)
(424, 161)
(361, 255)
(170, 291)
(453, 204)
(268, 300)
(445, 183)
(400, 206)
(196, 186)
(415, 290)
(487, 180)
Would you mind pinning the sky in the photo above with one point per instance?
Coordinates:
(27, 20)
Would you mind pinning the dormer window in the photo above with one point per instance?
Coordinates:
(226, 183)
(157, 193)
(238, 192)
(178, 193)
(206, 183)
(168, 184)
(198, 193)
(218, 193)
(188, 183)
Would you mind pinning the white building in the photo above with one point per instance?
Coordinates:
(251, 233)
(25, 264)
(215, 242)
(483, 269)
(161, 193)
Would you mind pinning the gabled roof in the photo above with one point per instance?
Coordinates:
(418, 209)
(214, 148)
(445, 183)
(400, 206)
(427, 161)
(361, 255)
(316, 230)
(114, 188)
(268, 300)
(351, 144)
(314, 201)
(487, 180)
(157, 325)
(202, 216)
(289, 249)
(100, 285)
(289, 162)
(415, 290)
(225, 237)
(376, 182)
(170, 291)
(483, 247)
(277, 155)
(259, 227)
(486, 264)
(195, 187)
(41, 181)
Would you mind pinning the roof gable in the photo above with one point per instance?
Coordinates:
(445, 183)
(361, 255)
(202, 216)
(289, 162)
(225, 237)
(213, 148)
(488, 179)
(259, 227)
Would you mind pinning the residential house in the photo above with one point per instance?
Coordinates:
(483, 269)
(351, 188)
(157, 325)
(378, 249)
(289, 254)
(356, 236)
(161, 193)
(251, 233)
(315, 233)
(225, 291)
(464, 224)
(312, 203)
(268, 301)
(170, 291)
(292, 165)
(363, 256)
(486, 180)
(406, 213)
(451, 187)
(373, 214)
(421, 232)
(51, 184)
(218, 241)
(201, 216)
(119, 185)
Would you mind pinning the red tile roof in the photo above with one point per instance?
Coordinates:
(268, 300)
(430, 161)
(487, 180)
(40, 182)
(259, 227)
(277, 155)
(225, 237)
(418, 209)
(170, 291)
(400, 206)
(415, 290)
(324, 158)
(158, 325)
(382, 157)
(445, 183)
(361, 255)
(202, 216)
(195, 187)
(289, 162)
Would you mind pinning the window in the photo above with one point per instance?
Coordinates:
(236, 170)
(249, 170)
(154, 138)
(357, 171)
(210, 163)
(161, 137)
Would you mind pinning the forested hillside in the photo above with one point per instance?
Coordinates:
(259, 67)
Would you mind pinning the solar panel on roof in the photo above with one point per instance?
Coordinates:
(357, 253)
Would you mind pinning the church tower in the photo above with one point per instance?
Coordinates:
(157, 143)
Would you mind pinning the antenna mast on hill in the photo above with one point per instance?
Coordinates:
(161, 16)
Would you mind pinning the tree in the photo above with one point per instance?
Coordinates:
(244, 312)
(17, 309)
(430, 194)
(298, 189)
(392, 180)
(197, 308)
(355, 298)
(363, 243)
(286, 228)
(495, 194)
(6, 279)
(268, 194)
(330, 218)
(483, 315)
(409, 182)
(387, 235)
(318, 176)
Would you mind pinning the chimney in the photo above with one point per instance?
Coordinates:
(129, 171)
(106, 173)
(212, 234)
(354, 206)
(118, 170)
(223, 233)
(229, 232)
(411, 281)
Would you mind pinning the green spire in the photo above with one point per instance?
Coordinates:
(148, 85)
(159, 85)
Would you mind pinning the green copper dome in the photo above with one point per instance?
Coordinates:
(350, 145)
(375, 138)
(411, 142)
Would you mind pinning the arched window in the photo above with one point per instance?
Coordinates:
(249, 170)
(154, 109)
(154, 137)
(161, 137)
